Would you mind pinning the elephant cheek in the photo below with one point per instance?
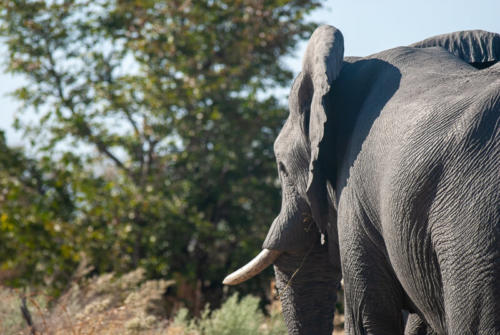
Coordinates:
(307, 284)
(289, 231)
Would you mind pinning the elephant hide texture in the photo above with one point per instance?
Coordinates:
(396, 158)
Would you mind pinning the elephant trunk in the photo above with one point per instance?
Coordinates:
(307, 284)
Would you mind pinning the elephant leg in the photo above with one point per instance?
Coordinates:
(373, 296)
(416, 326)
(307, 283)
(471, 289)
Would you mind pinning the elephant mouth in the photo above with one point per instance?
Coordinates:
(286, 233)
(258, 264)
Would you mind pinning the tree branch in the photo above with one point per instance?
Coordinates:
(85, 130)
(27, 315)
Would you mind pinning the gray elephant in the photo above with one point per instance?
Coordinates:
(390, 171)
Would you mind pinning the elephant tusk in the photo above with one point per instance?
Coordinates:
(265, 258)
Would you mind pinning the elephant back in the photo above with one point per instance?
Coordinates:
(477, 47)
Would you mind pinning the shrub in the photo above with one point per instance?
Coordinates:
(235, 317)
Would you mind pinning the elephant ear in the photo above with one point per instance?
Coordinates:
(477, 47)
(321, 66)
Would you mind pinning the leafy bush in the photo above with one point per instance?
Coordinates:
(235, 317)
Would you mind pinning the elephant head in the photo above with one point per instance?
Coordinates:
(307, 270)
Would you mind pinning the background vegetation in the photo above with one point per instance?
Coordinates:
(129, 304)
(151, 133)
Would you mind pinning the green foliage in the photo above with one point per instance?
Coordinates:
(154, 134)
(235, 317)
(37, 241)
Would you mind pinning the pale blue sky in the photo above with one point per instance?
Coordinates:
(368, 26)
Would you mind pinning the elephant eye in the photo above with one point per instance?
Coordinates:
(282, 169)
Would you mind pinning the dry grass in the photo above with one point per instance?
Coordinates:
(101, 305)
(129, 304)
(338, 324)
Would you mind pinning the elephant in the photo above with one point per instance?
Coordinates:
(390, 173)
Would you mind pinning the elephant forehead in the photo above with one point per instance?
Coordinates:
(289, 137)
(293, 152)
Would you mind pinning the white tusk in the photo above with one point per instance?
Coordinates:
(265, 258)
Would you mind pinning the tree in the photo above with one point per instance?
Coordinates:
(36, 208)
(164, 115)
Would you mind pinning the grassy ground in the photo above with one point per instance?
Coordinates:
(131, 305)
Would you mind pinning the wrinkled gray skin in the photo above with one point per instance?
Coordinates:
(395, 158)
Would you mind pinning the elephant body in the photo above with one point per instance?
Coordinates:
(390, 174)
(418, 191)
